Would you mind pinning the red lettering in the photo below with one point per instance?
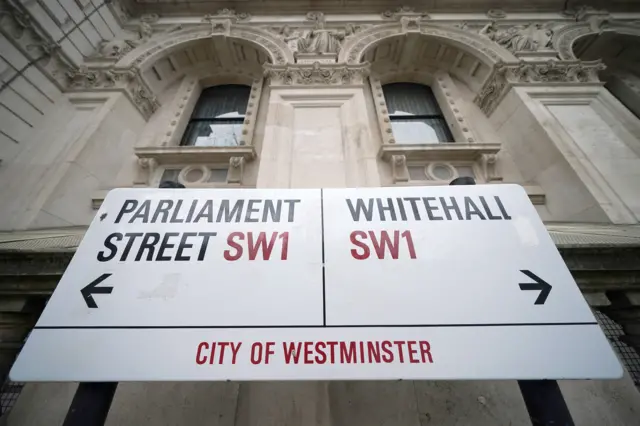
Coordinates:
(285, 245)
(386, 348)
(365, 249)
(381, 246)
(332, 345)
(348, 355)
(223, 346)
(307, 352)
(321, 358)
(261, 244)
(238, 248)
(212, 356)
(201, 346)
(256, 353)
(412, 352)
(373, 351)
(270, 351)
(407, 236)
(234, 351)
(425, 349)
(399, 344)
(291, 352)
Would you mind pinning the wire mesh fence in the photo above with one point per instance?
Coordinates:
(627, 354)
(9, 395)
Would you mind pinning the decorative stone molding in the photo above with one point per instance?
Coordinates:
(248, 126)
(439, 152)
(231, 14)
(146, 169)
(304, 41)
(16, 24)
(496, 14)
(157, 47)
(195, 154)
(489, 164)
(519, 38)
(127, 80)
(399, 168)
(404, 11)
(482, 48)
(317, 74)
(382, 112)
(236, 169)
(451, 106)
(506, 75)
(565, 37)
(219, 26)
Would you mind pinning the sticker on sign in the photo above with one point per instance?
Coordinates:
(457, 282)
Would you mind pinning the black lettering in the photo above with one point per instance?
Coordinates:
(174, 216)
(414, 206)
(132, 237)
(163, 207)
(192, 210)
(165, 245)
(250, 210)
(108, 244)
(292, 208)
(454, 206)
(206, 211)
(183, 245)
(430, 208)
(403, 213)
(142, 212)
(147, 244)
(355, 213)
(205, 242)
(487, 210)
(127, 207)
(224, 209)
(388, 207)
(471, 209)
(505, 215)
(275, 211)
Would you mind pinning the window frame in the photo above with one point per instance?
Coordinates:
(220, 120)
(418, 117)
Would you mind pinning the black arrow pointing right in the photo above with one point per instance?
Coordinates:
(91, 289)
(540, 284)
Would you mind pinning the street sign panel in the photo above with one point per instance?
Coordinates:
(457, 282)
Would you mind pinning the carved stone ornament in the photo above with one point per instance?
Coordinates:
(403, 11)
(496, 14)
(218, 25)
(232, 14)
(236, 169)
(399, 168)
(506, 75)
(490, 167)
(17, 25)
(319, 40)
(124, 79)
(316, 74)
(519, 38)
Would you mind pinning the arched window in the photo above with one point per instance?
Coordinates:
(415, 115)
(218, 116)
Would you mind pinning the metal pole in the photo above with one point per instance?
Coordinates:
(90, 405)
(92, 401)
(543, 398)
(545, 403)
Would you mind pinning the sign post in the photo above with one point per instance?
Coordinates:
(310, 284)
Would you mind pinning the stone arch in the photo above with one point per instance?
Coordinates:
(565, 37)
(484, 49)
(276, 49)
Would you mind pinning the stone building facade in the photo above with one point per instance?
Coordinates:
(292, 94)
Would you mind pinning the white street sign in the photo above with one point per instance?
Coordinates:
(448, 282)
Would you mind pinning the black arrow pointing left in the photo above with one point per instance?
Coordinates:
(91, 289)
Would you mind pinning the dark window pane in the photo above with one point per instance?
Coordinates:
(213, 133)
(410, 99)
(420, 130)
(222, 102)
